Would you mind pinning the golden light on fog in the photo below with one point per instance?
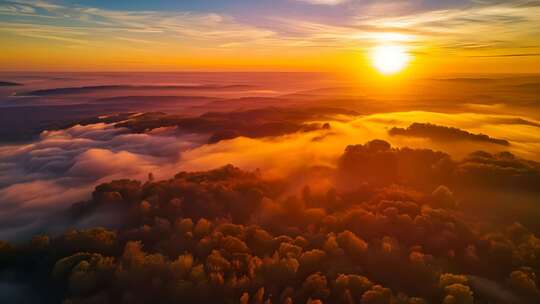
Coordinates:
(389, 59)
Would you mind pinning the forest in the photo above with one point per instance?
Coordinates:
(394, 227)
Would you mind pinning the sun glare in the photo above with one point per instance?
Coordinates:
(389, 59)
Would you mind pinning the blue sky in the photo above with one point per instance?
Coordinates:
(294, 7)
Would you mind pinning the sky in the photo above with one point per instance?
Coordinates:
(459, 36)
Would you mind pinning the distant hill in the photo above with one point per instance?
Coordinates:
(100, 88)
(9, 84)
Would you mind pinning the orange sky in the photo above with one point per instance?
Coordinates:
(441, 37)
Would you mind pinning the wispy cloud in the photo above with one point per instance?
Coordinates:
(484, 28)
(510, 55)
(58, 22)
(324, 2)
(494, 24)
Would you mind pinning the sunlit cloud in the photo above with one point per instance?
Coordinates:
(87, 20)
(466, 28)
(430, 29)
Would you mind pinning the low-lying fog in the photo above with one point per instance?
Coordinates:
(62, 136)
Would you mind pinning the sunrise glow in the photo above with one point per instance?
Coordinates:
(389, 59)
(270, 151)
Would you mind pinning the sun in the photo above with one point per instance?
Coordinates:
(389, 59)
